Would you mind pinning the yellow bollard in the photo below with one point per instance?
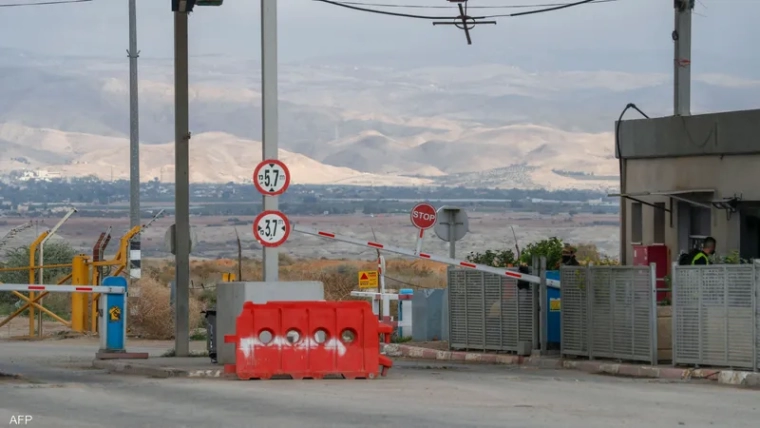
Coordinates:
(79, 276)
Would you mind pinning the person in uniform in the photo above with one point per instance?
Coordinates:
(702, 257)
(568, 256)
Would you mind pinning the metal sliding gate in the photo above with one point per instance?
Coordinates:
(716, 315)
(609, 312)
(488, 312)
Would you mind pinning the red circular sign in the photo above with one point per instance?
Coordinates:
(271, 228)
(271, 177)
(423, 216)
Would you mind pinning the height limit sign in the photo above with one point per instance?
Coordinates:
(271, 177)
(271, 228)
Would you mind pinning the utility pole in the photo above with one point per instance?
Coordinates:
(269, 121)
(682, 57)
(181, 185)
(134, 145)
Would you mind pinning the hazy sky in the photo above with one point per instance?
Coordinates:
(607, 36)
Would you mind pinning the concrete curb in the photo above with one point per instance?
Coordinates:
(724, 377)
(130, 368)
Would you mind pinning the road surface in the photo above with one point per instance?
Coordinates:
(60, 392)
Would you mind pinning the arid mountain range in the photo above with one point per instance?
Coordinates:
(476, 125)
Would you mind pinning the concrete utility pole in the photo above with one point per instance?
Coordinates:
(134, 144)
(181, 186)
(682, 57)
(269, 120)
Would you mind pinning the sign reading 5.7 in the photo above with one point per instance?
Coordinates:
(271, 177)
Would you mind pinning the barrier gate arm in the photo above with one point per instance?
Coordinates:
(425, 256)
(63, 288)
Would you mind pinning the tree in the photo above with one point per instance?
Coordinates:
(55, 253)
(550, 248)
(501, 258)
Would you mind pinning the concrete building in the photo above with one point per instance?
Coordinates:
(687, 177)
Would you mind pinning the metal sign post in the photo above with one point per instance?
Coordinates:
(452, 226)
(269, 119)
(423, 217)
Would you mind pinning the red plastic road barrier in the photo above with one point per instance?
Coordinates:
(308, 340)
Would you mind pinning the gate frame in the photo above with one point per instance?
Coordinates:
(541, 281)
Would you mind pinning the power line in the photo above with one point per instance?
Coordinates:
(548, 8)
(421, 6)
(44, 3)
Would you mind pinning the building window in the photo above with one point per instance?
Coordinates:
(637, 223)
(659, 223)
(699, 226)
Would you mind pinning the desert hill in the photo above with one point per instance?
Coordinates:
(491, 125)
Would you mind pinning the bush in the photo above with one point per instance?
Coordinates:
(55, 253)
(502, 258)
(152, 316)
(550, 248)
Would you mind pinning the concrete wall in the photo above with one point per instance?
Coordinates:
(230, 297)
(735, 132)
(717, 151)
(727, 175)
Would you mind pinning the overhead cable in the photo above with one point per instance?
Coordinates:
(422, 6)
(542, 9)
(43, 3)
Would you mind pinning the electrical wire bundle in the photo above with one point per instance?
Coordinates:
(463, 20)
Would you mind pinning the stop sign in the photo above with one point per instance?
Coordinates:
(423, 216)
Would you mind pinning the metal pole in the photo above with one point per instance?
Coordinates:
(682, 57)
(269, 121)
(134, 144)
(653, 315)
(543, 308)
(452, 241)
(42, 262)
(181, 186)
(536, 304)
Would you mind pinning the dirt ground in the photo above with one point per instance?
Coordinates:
(214, 237)
(18, 328)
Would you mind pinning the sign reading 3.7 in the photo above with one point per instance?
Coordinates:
(271, 228)
(271, 177)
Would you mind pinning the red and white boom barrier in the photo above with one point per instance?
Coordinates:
(425, 256)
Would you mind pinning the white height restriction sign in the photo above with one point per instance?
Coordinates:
(271, 177)
(271, 228)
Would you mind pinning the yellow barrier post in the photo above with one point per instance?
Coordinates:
(32, 271)
(79, 276)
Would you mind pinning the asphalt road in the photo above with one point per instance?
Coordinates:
(65, 394)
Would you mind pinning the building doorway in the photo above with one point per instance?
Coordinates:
(750, 233)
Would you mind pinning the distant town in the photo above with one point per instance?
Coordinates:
(31, 194)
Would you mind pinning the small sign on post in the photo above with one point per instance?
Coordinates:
(271, 228)
(271, 177)
(423, 217)
(368, 279)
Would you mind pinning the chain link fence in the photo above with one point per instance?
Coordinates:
(488, 312)
(716, 316)
(609, 312)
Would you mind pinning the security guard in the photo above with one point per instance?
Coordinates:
(703, 256)
(568, 257)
